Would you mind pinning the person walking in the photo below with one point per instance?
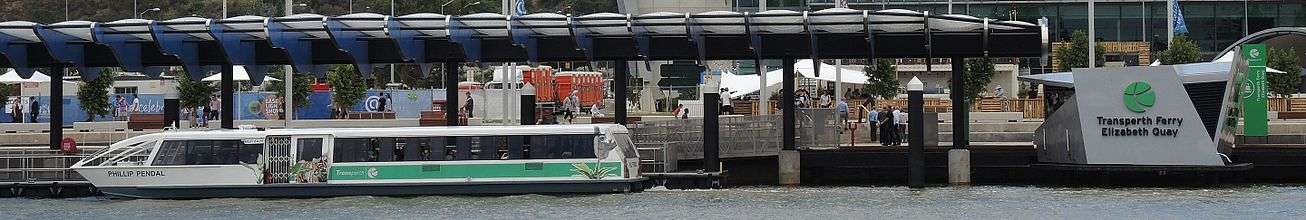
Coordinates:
(471, 104)
(842, 109)
(873, 122)
(210, 112)
(34, 109)
(9, 109)
(571, 106)
(900, 118)
(381, 103)
(886, 127)
(18, 109)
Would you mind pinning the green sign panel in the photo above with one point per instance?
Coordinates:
(1254, 92)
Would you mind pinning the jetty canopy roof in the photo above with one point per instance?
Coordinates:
(309, 41)
(1215, 71)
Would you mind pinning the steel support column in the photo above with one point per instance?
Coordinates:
(528, 105)
(960, 111)
(916, 134)
(56, 106)
(228, 97)
(711, 129)
(787, 106)
(619, 89)
(451, 94)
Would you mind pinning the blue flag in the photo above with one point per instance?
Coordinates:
(1179, 26)
(520, 9)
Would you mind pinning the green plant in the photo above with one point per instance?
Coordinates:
(6, 90)
(1182, 50)
(346, 86)
(193, 94)
(979, 72)
(596, 172)
(300, 86)
(484, 75)
(882, 79)
(1283, 84)
(94, 95)
(1075, 53)
(258, 167)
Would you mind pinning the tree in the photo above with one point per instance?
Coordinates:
(193, 94)
(1075, 53)
(979, 72)
(1283, 84)
(5, 90)
(882, 79)
(1182, 50)
(279, 86)
(347, 87)
(94, 95)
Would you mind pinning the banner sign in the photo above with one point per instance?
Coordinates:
(1254, 92)
(404, 103)
(120, 105)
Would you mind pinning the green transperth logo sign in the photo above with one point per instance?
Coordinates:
(1139, 96)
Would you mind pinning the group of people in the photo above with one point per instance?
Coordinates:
(890, 123)
(17, 106)
(123, 108)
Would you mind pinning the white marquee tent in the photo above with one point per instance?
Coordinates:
(237, 74)
(740, 85)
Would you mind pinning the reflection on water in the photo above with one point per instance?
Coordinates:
(983, 202)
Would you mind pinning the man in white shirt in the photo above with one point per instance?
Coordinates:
(900, 117)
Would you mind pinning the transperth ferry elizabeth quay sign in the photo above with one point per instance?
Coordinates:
(1127, 116)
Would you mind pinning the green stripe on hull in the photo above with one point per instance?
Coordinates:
(444, 171)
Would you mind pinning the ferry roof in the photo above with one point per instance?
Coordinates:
(401, 131)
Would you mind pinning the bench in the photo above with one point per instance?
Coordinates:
(370, 115)
(140, 121)
(1292, 115)
(436, 118)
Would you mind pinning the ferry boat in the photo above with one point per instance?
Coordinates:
(546, 159)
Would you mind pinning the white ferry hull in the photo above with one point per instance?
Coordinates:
(386, 189)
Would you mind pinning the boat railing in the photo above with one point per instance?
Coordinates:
(26, 165)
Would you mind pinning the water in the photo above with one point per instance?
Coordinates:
(980, 202)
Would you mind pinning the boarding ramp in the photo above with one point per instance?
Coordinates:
(663, 141)
(39, 164)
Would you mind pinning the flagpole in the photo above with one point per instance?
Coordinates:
(1169, 24)
(1092, 36)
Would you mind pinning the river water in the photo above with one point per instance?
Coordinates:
(979, 202)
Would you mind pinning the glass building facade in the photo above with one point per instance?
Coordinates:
(1214, 24)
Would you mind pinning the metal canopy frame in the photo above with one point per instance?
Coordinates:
(308, 41)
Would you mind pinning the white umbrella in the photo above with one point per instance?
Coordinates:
(237, 74)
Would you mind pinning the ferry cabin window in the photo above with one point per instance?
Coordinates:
(562, 146)
(390, 149)
(207, 152)
(308, 149)
(463, 148)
